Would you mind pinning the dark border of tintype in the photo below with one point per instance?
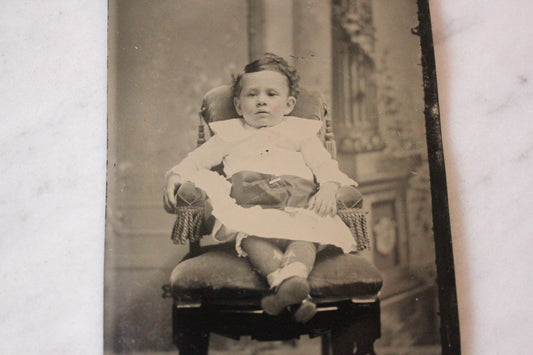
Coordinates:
(449, 316)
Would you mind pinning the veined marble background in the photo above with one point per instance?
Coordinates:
(52, 186)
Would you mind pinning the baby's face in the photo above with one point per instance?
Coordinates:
(264, 98)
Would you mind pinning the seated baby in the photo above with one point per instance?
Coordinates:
(278, 202)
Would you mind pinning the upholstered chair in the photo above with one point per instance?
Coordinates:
(216, 291)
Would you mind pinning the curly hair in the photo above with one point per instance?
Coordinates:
(269, 61)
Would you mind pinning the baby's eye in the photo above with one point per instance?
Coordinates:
(251, 94)
(272, 93)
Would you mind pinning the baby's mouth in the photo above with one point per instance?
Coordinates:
(261, 111)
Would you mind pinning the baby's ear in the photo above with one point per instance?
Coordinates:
(237, 104)
(291, 101)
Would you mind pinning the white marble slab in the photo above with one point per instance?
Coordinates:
(52, 100)
(485, 76)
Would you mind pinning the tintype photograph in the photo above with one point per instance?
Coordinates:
(275, 180)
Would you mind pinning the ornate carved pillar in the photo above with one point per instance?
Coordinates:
(360, 143)
(355, 92)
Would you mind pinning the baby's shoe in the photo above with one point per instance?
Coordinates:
(291, 291)
(306, 311)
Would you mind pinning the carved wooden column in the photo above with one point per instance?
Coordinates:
(360, 143)
(355, 89)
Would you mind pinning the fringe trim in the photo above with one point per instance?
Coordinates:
(187, 227)
(355, 219)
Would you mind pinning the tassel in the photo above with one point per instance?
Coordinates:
(188, 224)
(355, 219)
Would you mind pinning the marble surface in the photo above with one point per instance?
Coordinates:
(52, 190)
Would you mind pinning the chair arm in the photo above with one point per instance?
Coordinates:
(190, 195)
(193, 214)
(349, 197)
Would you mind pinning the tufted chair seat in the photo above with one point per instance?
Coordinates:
(217, 275)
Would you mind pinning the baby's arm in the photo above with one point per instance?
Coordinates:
(324, 202)
(328, 175)
(206, 156)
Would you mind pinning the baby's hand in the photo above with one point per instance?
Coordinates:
(169, 197)
(324, 202)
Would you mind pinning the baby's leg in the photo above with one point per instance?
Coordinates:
(302, 252)
(297, 260)
(296, 265)
(264, 255)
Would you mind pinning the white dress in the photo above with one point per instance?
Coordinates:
(289, 148)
